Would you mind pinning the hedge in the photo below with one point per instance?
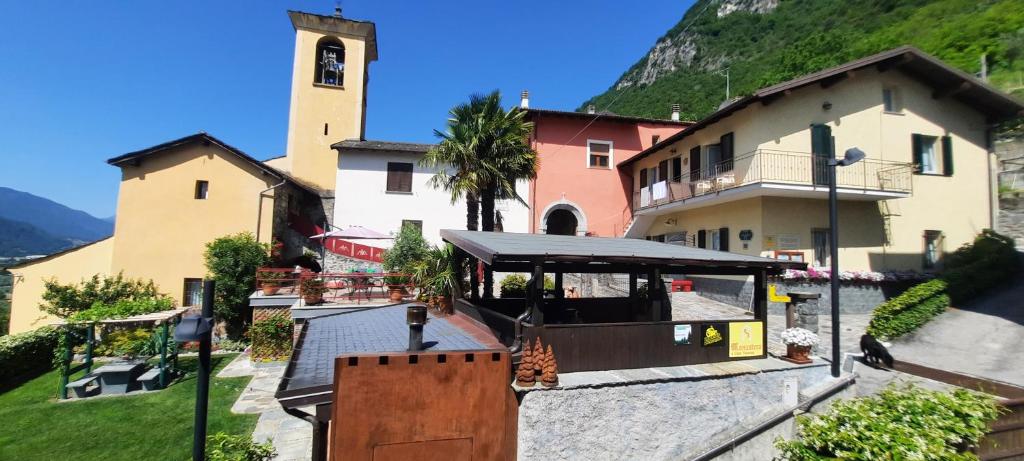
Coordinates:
(27, 354)
(908, 311)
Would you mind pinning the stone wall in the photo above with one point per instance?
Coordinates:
(1011, 218)
(335, 263)
(854, 298)
(664, 420)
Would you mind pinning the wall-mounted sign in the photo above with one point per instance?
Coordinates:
(769, 242)
(746, 339)
(681, 334)
(746, 235)
(788, 241)
(711, 334)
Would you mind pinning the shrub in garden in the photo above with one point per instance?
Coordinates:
(513, 286)
(899, 423)
(272, 338)
(409, 248)
(908, 311)
(64, 300)
(26, 354)
(226, 447)
(232, 262)
(979, 266)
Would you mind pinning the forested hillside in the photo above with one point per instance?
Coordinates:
(763, 42)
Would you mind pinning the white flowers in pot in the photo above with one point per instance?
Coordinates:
(799, 337)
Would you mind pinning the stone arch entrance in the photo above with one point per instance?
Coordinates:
(564, 218)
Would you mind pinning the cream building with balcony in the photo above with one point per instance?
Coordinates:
(751, 178)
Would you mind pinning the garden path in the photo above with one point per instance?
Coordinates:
(292, 437)
(985, 338)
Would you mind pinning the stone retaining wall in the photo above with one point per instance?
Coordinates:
(854, 298)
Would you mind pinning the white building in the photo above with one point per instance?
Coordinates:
(380, 185)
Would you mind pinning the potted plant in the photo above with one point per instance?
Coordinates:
(396, 287)
(445, 281)
(312, 290)
(407, 252)
(798, 344)
(270, 281)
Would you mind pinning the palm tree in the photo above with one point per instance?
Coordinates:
(487, 151)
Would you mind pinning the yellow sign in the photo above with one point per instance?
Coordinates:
(711, 336)
(746, 339)
(774, 297)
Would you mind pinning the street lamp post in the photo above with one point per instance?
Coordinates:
(852, 155)
(200, 328)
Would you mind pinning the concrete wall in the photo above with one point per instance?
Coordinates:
(362, 199)
(669, 420)
(600, 195)
(69, 267)
(309, 153)
(854, 298)
(889, 236)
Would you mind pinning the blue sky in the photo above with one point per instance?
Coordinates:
(82, 81)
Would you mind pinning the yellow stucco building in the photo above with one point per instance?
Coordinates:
(752, 177)
(177, 196)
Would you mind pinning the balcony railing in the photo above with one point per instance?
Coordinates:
(777, 167)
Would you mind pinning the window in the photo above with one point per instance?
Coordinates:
(202, 189)
(676, 238)
(702, 238)
(662, 170)
(712, 156)
(330, 62)
(926, 156)
(399, 177)
(599, 154)
(932, 248)
(193, 293)
(797, 256)
(891, 100)
(723, 239)
(643, 178)
(819, 238)
(677, 169)
(418, 224)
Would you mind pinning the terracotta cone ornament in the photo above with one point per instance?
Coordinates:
(550, 376)
(538, 358)
(524, 374)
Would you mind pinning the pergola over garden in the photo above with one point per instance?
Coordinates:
(614, 332)
(160, 319)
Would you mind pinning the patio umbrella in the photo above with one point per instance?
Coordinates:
(354, 232)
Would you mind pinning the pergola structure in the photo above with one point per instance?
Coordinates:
(618, 332)
(161, 319)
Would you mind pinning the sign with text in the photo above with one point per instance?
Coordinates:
(746, 339)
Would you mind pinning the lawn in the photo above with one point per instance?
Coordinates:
(156, 426)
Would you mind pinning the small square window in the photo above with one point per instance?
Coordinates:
(891, 100)
(193, 293)
(599, 154)
(202, 189)
(932, 248)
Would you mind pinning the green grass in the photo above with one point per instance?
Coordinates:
(154, 426)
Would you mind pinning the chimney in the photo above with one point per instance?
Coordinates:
(591, 109)
(337, 9)
(524, 100)
(416, 317)
(675, 112)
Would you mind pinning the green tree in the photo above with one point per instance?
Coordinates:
(408, 249)
(65, 300)
(231, 262)
(483, 152)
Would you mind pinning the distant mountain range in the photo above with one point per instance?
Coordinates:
(32, 225)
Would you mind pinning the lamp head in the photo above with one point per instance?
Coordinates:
(852, 155)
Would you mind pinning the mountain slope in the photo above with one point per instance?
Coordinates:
(763, 42)
(23, 239)
(50, 218)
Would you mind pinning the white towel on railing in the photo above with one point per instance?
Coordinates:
(645, 197)
(659, 190)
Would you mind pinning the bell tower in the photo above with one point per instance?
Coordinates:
(328, 101)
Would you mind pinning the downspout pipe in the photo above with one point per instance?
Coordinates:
(733, 442)
(259, 206)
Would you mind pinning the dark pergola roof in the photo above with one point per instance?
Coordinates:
(511, 249)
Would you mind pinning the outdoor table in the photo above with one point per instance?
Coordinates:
(117, 376)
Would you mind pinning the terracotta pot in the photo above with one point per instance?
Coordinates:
(798, 354)
(313, 299)
(269, 289)
(396, 294)
(444, 304)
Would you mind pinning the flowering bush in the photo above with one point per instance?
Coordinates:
(824, 273)
(800, 337)
(272, 338)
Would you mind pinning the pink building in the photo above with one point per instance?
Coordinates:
(579, 190)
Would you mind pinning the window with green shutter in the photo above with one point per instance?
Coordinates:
(947, 156)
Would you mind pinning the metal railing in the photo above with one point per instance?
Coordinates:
(338, 287)
(780, 167)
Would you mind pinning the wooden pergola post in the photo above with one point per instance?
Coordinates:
(655, 294)
(559, 292)
(761, 302)
(537, 295)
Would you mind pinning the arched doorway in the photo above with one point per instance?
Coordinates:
(561, 222)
